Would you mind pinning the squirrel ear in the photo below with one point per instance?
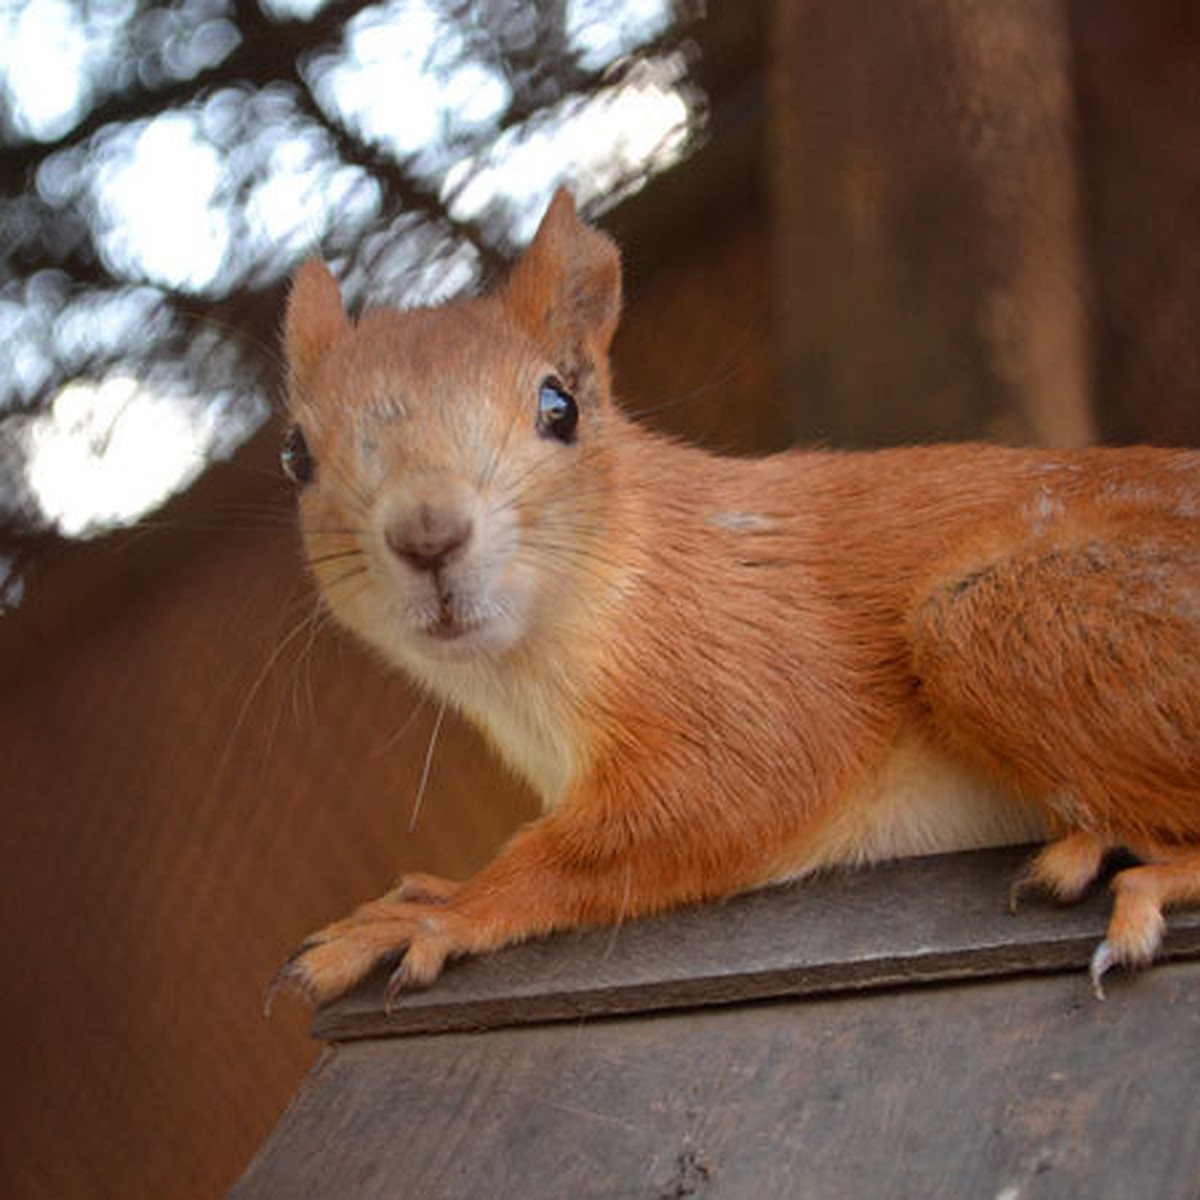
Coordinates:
(314, 320)
(566, 289)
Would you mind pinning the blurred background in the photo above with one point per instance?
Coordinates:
(856, 224)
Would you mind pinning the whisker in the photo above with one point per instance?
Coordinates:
(237, 332)
(336, 556)
(253, 692)
(500, 451)
(573, 554)
(405, 725)
(317, 621)
(428, 765)
(353, 531)
(358, 572)
(734, 364)
(567, 464)
(349, 480)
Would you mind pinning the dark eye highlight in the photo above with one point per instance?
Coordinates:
(295, 457)
(558, 414)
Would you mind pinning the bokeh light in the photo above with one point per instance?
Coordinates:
(406, 144)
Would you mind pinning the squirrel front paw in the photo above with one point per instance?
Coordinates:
(335, 958)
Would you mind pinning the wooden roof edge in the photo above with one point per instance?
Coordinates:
(921, 920)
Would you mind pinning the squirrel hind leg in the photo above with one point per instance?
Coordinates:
(1072, 673)
(1064, 869)
(1136, 928)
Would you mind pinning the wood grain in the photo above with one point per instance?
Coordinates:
(920, 920)
(1016, 1087)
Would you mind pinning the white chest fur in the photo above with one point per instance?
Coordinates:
(917, 802)
(532, 733)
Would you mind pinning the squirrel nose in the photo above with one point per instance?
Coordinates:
(427, 537)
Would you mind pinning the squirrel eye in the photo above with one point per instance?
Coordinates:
(295, 457)
(558, 414)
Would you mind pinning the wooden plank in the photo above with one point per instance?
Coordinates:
(920, 920)
(1019, 1087)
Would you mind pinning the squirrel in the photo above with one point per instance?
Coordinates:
(719, 673)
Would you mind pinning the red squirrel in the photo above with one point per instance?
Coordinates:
(718, 673)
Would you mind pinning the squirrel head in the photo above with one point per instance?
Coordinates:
(455, 463)
(564, 293)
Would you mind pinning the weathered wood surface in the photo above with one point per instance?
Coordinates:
(922, 920)
(1023, 1088)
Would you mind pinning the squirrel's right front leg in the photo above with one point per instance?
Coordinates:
(586, 864)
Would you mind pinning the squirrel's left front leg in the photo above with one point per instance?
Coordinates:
(586, 864)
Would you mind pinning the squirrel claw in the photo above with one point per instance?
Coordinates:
(289, 978)
(1024, 883)
(1103, 959)
(399, 982)
(1062, 870)
(421, 965)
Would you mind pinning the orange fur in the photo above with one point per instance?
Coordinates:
(715, 672)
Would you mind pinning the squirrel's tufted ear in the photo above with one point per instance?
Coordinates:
(314, 320)
(565, 291)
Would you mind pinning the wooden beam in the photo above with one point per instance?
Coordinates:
(916, 921)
